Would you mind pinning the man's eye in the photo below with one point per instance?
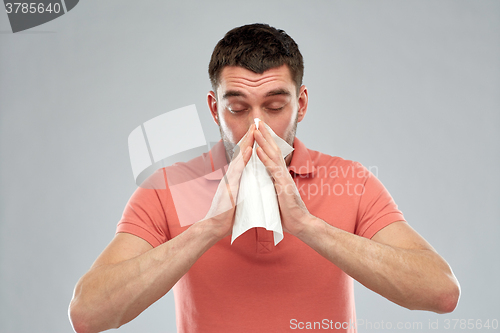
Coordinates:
(236, 110)
(275, 109)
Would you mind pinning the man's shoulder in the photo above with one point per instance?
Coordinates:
(319, 158)
(177, 173)
(320, 164)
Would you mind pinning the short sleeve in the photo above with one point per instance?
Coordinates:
(376, 208)
(145, 216)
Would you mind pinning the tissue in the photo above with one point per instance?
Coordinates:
(257, 204)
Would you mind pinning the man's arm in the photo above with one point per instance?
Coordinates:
(130, 275)
(397, 263)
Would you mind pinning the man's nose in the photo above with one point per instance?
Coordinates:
(256, 113)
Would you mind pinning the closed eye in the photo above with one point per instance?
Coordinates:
(236, 110)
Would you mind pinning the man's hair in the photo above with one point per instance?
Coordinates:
(256, 47)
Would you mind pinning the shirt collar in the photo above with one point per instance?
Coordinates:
(301, 163)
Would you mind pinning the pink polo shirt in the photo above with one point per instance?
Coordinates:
(252, 285)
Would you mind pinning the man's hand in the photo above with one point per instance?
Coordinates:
(293, 210)
(220, 216)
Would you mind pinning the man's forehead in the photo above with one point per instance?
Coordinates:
(234, 77)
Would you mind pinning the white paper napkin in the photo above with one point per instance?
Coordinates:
(257, 204)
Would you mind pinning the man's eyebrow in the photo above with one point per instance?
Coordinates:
(275, 92)
(233, 93)
(278, 92)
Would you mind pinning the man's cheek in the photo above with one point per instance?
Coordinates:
(230, 135)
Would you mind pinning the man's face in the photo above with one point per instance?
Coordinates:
(243, 95)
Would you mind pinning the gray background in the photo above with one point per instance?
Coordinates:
(410, 87)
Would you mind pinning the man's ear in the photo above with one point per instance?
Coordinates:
(303, 100)
(212, 105)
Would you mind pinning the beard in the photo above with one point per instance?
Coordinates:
(229, 146)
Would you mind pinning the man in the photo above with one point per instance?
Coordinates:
(351, 229)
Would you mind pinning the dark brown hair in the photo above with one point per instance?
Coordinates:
(256, 47)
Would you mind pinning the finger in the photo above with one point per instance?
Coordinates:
(233, 175)
(246, 155)
(243, 151)
(236, 168)
(248, 138)
(238, 163)
(246, 141)
(267, 134)
(269, 147)
(270, 165)
(278, 170)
